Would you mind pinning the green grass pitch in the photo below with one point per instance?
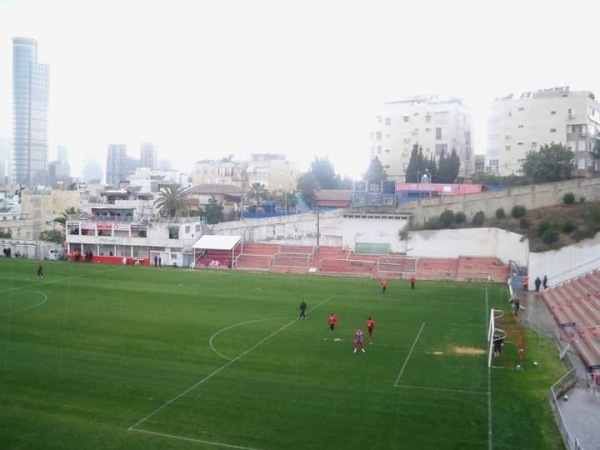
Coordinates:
(111, 357)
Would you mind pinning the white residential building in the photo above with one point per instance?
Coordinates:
(119, 232)
(518, 124)
(437, 125)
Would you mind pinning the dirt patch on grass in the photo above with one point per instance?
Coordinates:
(468, 351)
(437, 353)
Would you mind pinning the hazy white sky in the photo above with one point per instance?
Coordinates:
(205, 79)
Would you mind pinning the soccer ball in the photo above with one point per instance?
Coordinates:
(535, 363)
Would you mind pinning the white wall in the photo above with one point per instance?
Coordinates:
(567, 262)
(502, 244)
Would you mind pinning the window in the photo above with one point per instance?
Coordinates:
(507, 148)
(507, 137)
(552, 130)
(428, 118)
(388, 120)
(187, 229)
(521, 126)
(520, 143)
(387, 150)
(173, 232)
(438, 134)
(521, 109)
(553, 112)
(406, 118)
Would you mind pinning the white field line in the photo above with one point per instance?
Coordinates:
(458, 391)
(44, 300)
(210, 341)
(199, 441)
(489, 381)
(216, 371)
(58, 280)
(409, 354)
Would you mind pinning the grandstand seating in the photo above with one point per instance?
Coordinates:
(339, 261)
(437, 268)
(577, 301)
(475, 268)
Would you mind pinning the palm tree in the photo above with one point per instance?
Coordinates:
(68, 213)
(172, 201)
(257, 192)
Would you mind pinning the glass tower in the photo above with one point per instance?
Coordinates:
(30, 112)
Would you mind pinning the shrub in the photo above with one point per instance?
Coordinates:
(447, 219)
(500, 214)
(544, 226)
(581, 199)
(569, 198)
(568, 226)
(518, 211)
(478, 218)
(524, 223)
(433, 224)
(550, 236)
(461, 217)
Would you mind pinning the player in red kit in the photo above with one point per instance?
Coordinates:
(332, 320)
(370, 327)
(384, 285)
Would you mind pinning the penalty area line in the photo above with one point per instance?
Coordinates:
(199, 441)
(409, 354)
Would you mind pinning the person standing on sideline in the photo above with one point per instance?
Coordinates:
(359, 341)
(40, 271)
(516, 305)
(370, 327)
(155, 261)
(160, 261)
(303, 309)
(413, 281)
(538, 284)
(384, 285)
(332, 321)
(525, 283)
(545, 282)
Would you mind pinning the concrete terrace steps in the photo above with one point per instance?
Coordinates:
(475, 268)
(577, 301)
(437, 268)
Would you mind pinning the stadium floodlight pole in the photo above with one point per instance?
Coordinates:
(318, 228)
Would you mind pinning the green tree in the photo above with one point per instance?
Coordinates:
(375, 173)
(323, 171)
(257, 192)
(554, 162)
(412, 170)
(52, 236)
(213, 212)
(448, 167)
(308, 186)
(172, 201)
(67, 213)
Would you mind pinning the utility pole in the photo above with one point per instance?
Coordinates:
(318, 228)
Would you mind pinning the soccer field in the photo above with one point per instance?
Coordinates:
(112, 357)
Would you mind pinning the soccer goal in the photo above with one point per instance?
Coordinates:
(494, 332)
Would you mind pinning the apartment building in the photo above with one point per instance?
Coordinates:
(438, 125)
(273, 170)
(518, 124)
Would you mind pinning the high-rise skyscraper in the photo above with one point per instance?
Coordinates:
(117, 166)
(30, 111)
(148, 156)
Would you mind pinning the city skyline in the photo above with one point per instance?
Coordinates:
(206, 80)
